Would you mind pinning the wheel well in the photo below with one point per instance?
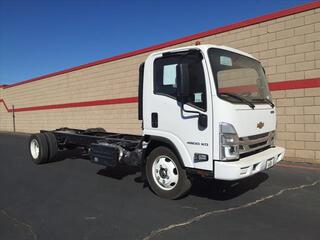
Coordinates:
(159, 141)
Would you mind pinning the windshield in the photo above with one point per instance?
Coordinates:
(238, 77)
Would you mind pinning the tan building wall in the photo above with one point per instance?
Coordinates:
(288, 47)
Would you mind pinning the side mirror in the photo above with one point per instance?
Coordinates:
(183, 80)
(203, 120)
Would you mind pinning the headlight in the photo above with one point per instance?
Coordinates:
(229, 142)
(272, 138)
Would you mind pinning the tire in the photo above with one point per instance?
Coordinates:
(38, 148)
(52, 146)
(165, 175)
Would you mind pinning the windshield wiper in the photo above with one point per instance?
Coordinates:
(266, 100)
(242, 99)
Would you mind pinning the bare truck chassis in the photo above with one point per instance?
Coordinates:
(104, 148)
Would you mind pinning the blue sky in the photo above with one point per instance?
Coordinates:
(43, 36)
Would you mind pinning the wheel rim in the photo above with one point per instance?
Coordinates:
(165, 173)
(34, 148)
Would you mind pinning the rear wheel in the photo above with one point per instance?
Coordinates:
(38, 148)
(165, 175)
(52, 146)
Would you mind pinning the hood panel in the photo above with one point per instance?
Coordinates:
(247, 121)
(253, 122)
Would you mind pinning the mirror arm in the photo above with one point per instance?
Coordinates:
(200, 115)
(189, 111)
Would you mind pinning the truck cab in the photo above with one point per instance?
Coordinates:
(212, 106)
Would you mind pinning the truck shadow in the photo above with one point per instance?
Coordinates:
(226, 190)
(75, 153)
(204, 188)
(118, 172)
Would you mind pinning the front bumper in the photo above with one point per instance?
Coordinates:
(248, 166)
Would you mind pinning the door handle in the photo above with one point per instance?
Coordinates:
(154, 120)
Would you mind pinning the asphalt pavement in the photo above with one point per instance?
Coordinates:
(75, 199)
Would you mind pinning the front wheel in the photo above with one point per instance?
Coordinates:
(165, 175)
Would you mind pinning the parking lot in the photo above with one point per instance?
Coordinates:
(74, 199)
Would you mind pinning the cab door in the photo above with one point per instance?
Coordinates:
(164, 114)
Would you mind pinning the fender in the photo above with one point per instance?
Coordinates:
(153, 140)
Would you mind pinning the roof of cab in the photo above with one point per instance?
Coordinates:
(204, 48)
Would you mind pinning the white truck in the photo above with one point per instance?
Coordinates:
(206, 110)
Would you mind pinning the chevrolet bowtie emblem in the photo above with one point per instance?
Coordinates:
(260, 125)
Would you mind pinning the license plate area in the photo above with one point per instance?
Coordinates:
(269, 163)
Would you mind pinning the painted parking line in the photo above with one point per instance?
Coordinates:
(317, 169)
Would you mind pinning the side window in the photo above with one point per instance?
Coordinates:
(166, 74)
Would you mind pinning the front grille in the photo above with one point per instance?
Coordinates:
(262, 135)
(258, 144)
(255, 142)
(243, 155)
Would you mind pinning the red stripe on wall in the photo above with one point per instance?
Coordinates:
(286, 85)
(276, 86)
(75, 104)
(295, 84)
(239, 89)
(245, 23)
